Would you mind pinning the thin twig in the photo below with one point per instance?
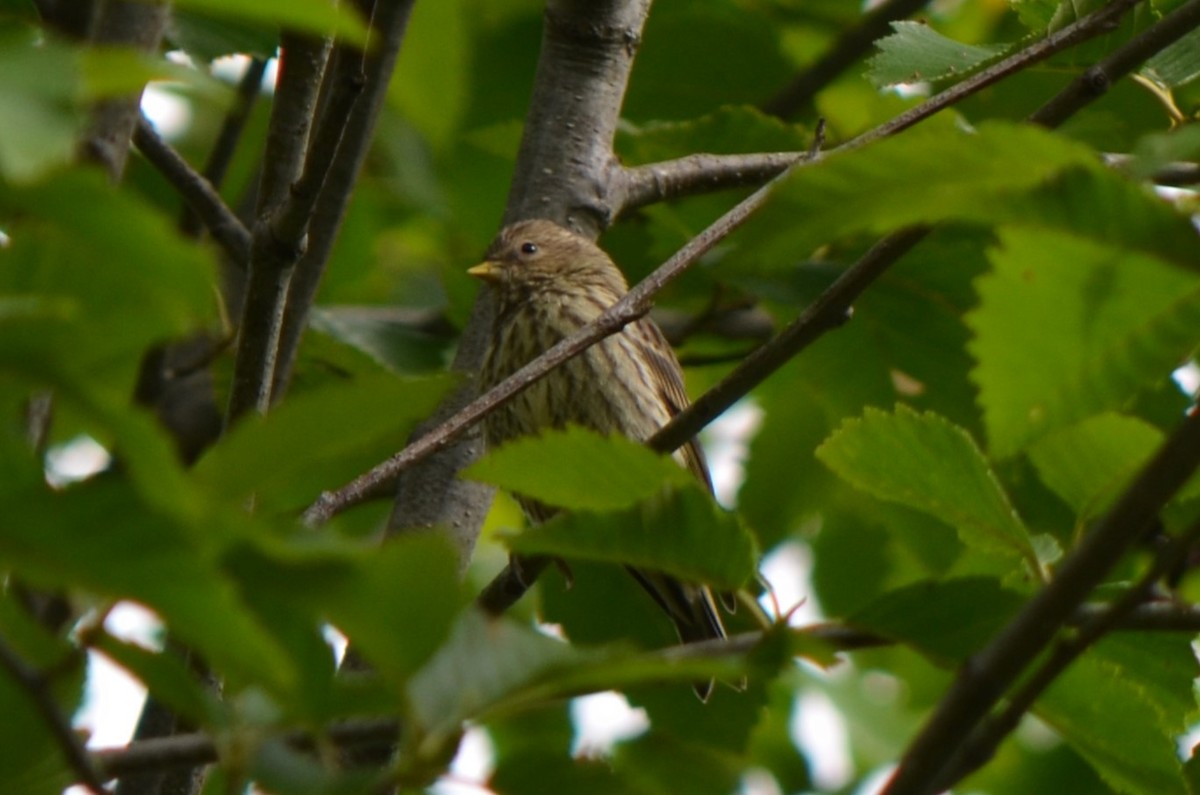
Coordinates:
(37, 688)
(366, 75)
(638, 186)
(227, 140)
(222, 224)
(829, 311)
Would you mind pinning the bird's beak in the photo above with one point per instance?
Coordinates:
(488, 271)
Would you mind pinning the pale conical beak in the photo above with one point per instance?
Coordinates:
(488, 271)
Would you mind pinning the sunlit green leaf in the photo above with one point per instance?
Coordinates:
(1066, 328)
(927, 463)
(579, 469)
(916, 52)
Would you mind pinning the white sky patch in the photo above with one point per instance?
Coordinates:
(726, 444)
(471, 768)
(818, 729)
(75, 460)
(788, 570)
(602, 720)
(1188, 378)
(170, 114)
(113, 699)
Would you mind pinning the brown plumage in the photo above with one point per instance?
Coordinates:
(549, 282)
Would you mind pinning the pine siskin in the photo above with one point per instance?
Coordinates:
(549, 282)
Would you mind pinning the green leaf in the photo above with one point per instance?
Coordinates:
(115, 273)
(1087, 464)
(437, 49)
(872, 189)
(731, 129)
(120, 548)
(916, 52)
(317, 439)
(928, 463)
(168, 678)
(1178, 64)
(682, 533)
(493, 666)
(1067, 328)
(311, 16)
(949, 620)
(1129, 734)
(38, 90)
(395, 602)
(605, 473)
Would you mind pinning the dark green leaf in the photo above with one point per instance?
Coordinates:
(682, 533)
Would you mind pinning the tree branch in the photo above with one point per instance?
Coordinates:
(198, 192)
(272, 258)
(365, 76)
(36, 687)
(227, 140)
(852, 45)
(1095, 82)
(979, 747)
(639, 186)
(129, 24)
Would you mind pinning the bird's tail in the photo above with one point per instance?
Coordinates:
(691, 609)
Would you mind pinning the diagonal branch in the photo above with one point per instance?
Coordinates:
(198, 192)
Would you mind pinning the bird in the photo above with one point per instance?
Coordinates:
(548, 282)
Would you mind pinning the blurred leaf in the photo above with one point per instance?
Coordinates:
(167, 677)
(318, 439)
(309, 16)
(394, 603)
(1066, 328)
(122, 549)
(727, 130)
(579, 469)
(871, 189)
(430, 89)
(492, 666)
(1088, 464)
(927, 463)
(660, 762)
(682, 533)
(38, 91)
(680, 73)
(915, 52)
(99, 259)
(206, 37)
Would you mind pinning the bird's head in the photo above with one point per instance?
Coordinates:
(531, 257)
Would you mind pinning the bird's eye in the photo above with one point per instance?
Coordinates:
(529, 248)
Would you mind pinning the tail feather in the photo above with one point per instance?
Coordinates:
(691, 609)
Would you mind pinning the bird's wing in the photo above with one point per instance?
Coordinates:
(666, 367)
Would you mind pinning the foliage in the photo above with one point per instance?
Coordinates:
(939, 455)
